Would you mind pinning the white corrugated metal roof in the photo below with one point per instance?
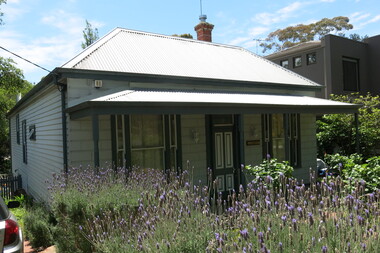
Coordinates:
(225, 98)
(130, 51)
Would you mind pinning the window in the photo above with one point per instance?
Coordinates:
(311, 58)
(281, 137)
(350, 74)
(284, 63)
(120, 141)
(18, 128)
(297, 62)
(146, 141)
(24, 139)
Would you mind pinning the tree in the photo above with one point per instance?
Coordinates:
(357, 37)
(11, 83)
(337, 132)
(293, 35)
(185, 35)
(90, 35)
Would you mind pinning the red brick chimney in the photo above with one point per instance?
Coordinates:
(204, 29)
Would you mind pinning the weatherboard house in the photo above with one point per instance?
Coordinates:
(141, 99)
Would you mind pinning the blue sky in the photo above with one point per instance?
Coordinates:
(49, 33)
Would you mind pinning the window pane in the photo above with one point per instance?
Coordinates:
(173, 136)
(227, 120)
(350, 75)
(150, 158)
(278, 138)
(146, 131)
(311, 58)
(119, 132)
(285, 63)
(297, 61)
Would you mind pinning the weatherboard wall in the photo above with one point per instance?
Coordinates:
(81, 145)
(44, 154)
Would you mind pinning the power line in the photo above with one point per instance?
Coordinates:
(25, 59)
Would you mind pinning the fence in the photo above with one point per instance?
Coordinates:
(9, 184)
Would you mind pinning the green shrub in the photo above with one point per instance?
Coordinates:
(353, 170)
(343, 163)
(38, 227)
(270, 169)
(368, 174)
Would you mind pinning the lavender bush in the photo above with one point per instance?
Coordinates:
(150, 211)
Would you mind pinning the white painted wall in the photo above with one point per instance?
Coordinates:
(45, 154)
(81, 90)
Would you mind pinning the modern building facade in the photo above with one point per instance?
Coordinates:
(340, 64)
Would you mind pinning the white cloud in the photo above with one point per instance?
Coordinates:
(65, 22)
(357, 16)
(280, 15)
(239, 40)
(327, 1)
(50, 49)
(12, 10)
(366, 19)
(255, 31)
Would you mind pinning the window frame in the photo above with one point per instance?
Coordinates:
(24, 142)
(282, 63)
(308, 62)
(349, 72)
(295, 60)
(123, 146)
(292, 142)
(18, 129)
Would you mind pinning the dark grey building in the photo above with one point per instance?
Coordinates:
(340, 64)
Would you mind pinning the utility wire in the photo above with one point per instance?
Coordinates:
(25, 59)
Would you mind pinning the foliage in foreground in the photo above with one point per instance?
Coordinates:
(352, 169)
(336, 133)
(167, 214)
(270, 168)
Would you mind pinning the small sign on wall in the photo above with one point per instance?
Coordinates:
(32, 132)
(252, 142)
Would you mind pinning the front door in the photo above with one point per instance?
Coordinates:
(224, 159)
(223, 145)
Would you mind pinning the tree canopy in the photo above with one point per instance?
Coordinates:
(185, 35)
(292, 35)
(11, 83)
(90, 35)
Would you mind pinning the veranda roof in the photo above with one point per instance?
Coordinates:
(184, 102)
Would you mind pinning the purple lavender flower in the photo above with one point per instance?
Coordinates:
(244, 234)
(324, 249)
(283, 218)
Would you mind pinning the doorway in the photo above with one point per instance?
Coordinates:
(224, 152)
